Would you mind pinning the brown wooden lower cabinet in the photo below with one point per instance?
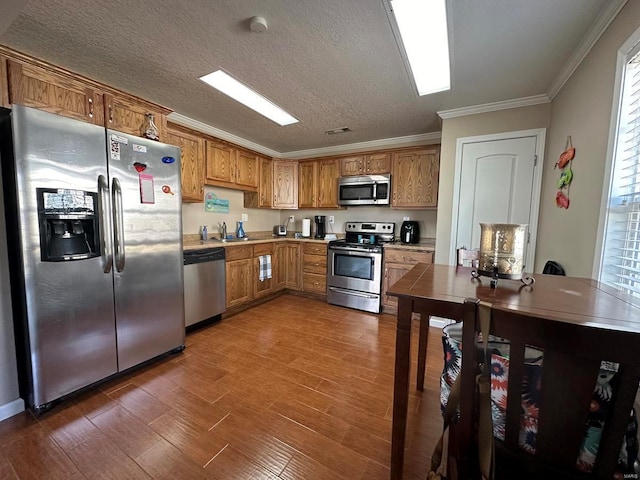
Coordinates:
(239, 271)
(243, 271)
(265, 286)
(292, 260)
(302, 266)
(279, 266)
(314, 268)
(239, 281)
(397, 262)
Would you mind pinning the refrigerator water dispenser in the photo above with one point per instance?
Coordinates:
(68, 224)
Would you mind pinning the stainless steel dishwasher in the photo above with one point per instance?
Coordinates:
(204, 285)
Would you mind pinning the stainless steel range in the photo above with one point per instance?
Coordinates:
(354, 265)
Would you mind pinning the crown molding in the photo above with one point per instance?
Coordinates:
(409, 140)
(594, 33)
(421, 139)
(495, 106)
(221, 134)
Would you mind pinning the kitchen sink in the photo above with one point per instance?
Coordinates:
(229, 240)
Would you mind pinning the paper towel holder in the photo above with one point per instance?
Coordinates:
(306, 227)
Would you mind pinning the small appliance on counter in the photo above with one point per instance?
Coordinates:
(410, 232)
(321, 227)
(280, 230)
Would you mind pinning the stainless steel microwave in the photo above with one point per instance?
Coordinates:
(365, 190)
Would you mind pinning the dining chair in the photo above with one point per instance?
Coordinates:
(464, 258)
(548, 406)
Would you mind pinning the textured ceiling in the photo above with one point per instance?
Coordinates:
(330, 63)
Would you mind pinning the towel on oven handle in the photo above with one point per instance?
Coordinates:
(265, 267)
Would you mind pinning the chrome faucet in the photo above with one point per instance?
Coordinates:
(223, 236)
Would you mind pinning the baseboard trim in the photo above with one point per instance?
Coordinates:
(12, 408)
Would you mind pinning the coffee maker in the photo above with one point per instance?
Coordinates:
(321, 229)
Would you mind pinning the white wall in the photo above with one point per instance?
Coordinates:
(515, 119)
(582, 109)
(426, 218)
(194, 215)
(263, 220)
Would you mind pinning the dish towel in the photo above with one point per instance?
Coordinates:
(265, 267)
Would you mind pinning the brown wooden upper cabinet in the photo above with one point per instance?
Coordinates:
(71, 96)
(278, 186)
(414, 178)
(4, 85)
(129, 115)
(307, 184)
(263, 198)
(247, 169)
(230, 167)
(191, 161)
(318, 183)
(371, 164)
(285, 184)
(60, 94)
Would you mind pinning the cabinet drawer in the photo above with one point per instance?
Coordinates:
(315, 283)
(314, 248)
(263, 249)
(238, 252)
(407, 256)
(315, 264)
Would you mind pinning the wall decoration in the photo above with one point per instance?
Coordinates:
(215, 204)
(566, 176)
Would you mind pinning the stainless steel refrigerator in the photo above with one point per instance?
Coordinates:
(95, 239)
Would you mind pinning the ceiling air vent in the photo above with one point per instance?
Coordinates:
(338, 130)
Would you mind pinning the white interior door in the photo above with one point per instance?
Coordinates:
(497, 181)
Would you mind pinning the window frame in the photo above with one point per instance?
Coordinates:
(625, 53)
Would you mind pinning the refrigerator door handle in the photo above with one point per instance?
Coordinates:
(118, 224)
(106, 233)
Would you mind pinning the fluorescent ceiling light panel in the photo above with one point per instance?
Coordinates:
(423, 28)
(250, 98)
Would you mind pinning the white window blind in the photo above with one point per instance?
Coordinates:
(620, 266)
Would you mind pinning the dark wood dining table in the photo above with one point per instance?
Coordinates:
(440, 290)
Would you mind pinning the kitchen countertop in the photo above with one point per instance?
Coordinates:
(193, 242)
(424, 244)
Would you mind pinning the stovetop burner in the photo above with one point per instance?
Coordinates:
(366, 236)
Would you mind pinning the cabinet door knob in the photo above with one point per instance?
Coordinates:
(90, 107)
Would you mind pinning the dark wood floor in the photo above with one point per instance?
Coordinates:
(291, 389)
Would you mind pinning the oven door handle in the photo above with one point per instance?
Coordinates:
(352, 292)
(355, 251)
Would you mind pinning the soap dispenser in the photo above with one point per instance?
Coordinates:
(240, 232)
